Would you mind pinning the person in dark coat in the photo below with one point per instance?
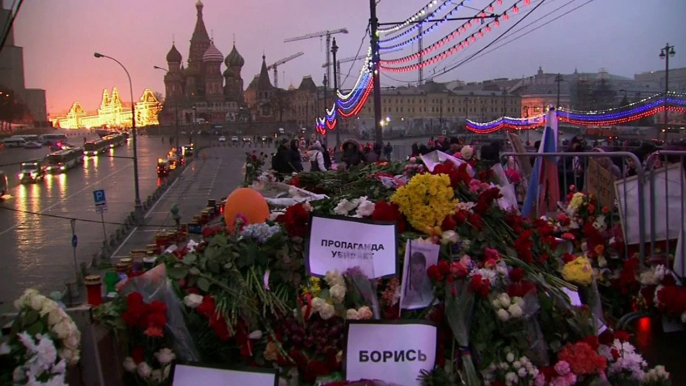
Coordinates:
(295, 157)
(352, 155)
(281, 161)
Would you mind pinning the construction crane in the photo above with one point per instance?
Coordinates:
(274, 66)
(344, 60)
(328, 44)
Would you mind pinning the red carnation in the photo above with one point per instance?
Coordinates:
(592, 341)
(517, 274)
(218, 324)
(384, 211)
(623, 336)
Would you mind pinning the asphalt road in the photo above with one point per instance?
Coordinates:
(35, 249)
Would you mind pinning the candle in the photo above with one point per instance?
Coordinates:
(94, 288)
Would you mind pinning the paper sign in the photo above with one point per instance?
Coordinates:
(600, 183)
(340, 243)
(573, 297)
(187, 375)
(391, 352)
(416, 289)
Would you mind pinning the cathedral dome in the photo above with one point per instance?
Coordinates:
(212, 54)
(174, 56)
(234, 59)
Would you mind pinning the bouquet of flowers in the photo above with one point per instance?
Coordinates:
(43, 342)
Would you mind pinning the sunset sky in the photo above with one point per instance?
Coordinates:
(60, 36)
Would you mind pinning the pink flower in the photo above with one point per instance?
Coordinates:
(490, 253)
(568, 236)
(562, 368)
(474, 185)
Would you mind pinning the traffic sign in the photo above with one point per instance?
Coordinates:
(101, 208)
(99, 197)
(74, 241)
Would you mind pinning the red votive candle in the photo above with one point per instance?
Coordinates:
(94, 288)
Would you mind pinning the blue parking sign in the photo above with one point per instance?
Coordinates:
(99, 197)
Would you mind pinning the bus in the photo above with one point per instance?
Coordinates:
(63, 160)
(93, 148)
(49, 139)
(14, 142)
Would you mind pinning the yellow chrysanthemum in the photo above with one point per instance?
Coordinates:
(578, 271)
(425, 200)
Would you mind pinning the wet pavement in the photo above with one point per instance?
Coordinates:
(36, 248)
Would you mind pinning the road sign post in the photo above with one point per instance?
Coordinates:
(101, 207)
(74, 242)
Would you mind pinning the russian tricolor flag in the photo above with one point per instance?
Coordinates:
(544, 190)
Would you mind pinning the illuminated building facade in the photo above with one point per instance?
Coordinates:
(112, 112)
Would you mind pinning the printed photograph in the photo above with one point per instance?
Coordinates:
(417, 291)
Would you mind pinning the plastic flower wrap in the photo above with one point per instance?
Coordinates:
(426, 200)
(459, 306)
(578, 271)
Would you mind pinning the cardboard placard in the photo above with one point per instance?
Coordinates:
(193, 375)
(600, 183)
(340, 243)
(393, 352)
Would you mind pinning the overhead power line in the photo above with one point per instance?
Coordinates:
(80, 219)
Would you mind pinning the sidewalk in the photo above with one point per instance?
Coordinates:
(214, 178)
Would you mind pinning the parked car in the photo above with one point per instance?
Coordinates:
(33, 145)
(234, 139)
(222, 139)
(247, 139)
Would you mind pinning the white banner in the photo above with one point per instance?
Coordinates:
(391, 352)
(340, 243)
(187, 375)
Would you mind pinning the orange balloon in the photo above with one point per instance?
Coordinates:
(246, 202)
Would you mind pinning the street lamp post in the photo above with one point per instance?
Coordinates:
(176, 111)
(326, 85)
(665, 53)
(138, 206)
(558, 80)
(334, 50)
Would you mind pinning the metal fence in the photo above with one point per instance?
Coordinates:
(649, 196)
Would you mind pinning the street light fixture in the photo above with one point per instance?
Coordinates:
(138, 206)
(176, 112)
(666, 53)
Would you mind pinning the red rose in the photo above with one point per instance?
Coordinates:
(207, 307)
(460, 217)
(138, 354)
(606, 338)
(591, 208)
(434, 274)
(517, 274)
(134, 299)
(448, 224)
(297, 220)
(568, 257)
(615, 353)
(218, 324)
(543, 257)
(384, 211)
(158, 306)
(443, 267)
(475, 220)
(623, 336)
(157, 319)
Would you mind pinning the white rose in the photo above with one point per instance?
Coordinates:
(71, 356)
(450, 237)
(327, 311)
(144, 370)
(504, 300)
(62, 329)
(519, 301)
(48, 307)
(516, 364)
(37, 302)
(503, 315)
(337, 293)
(522, 372)
(18, 375)
(344, 207)
(365, 313)
(504, 366)
(165, 356)
(515, 311)
(496, 304)
(129, 364)
(55, 316)
(192, 300)
(352, 314)
(366, 208)
(255, 335)
(467, 152)
(511, 378)
(333, 277)
(317, 304)
(72, 341)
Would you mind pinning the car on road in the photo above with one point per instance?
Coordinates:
(162, 167)
(31, 171)
(234, 139)
(187, 150)
(3, 184)
(247, 139)
(222, 139)
(57, 146)
(33, 145)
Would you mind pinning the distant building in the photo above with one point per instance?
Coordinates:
(677, 79)
(12, 76)
(200, 91)
(262, 98)
(112, 113)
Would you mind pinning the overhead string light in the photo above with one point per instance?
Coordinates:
(425, 31)
(411, 19)
(446, 53)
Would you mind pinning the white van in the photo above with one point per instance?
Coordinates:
(14, 142)
(49, 139)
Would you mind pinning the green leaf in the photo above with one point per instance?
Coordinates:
(177, 273)
(190, 259)
(204, 284)
(30, 318)
(35, 328)
(194, 271)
